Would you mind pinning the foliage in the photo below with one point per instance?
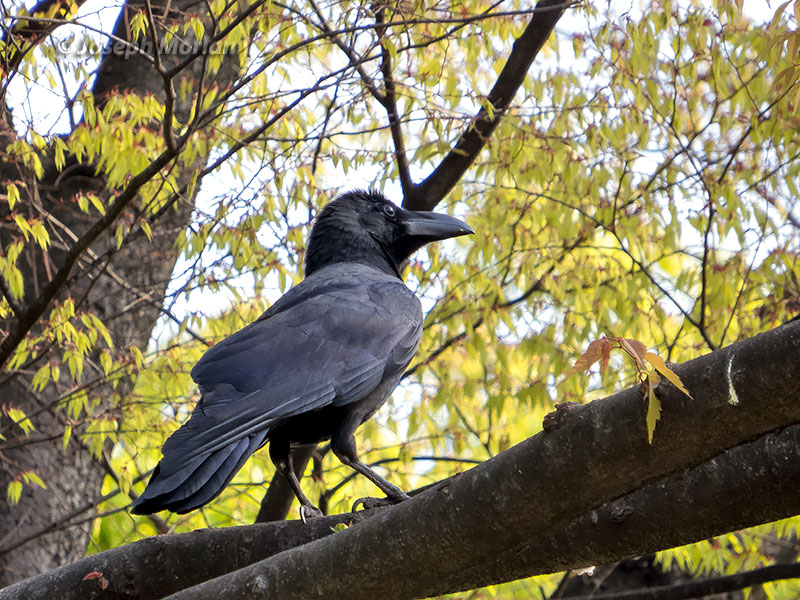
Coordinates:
(644, 184)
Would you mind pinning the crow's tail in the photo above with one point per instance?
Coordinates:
(197, 481)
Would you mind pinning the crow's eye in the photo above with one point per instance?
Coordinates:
(389, 210)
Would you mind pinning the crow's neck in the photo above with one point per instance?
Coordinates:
(330, 247)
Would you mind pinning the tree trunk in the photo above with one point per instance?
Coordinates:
(124, 287)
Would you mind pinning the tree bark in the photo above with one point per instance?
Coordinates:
(511, 517)
(592, 455)
(129, 310)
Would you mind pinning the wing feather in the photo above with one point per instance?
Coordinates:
(333, 338)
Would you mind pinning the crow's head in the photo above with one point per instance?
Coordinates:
(364, 227)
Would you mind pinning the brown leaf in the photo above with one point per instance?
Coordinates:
(593, 353)
(97, 575)
(606, 355)
(635, 348)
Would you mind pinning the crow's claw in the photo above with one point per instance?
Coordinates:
(309, 512)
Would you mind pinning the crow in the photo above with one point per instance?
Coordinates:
(316, 365)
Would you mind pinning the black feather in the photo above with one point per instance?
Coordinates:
(322, 359)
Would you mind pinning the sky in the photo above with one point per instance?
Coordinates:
(41, 103)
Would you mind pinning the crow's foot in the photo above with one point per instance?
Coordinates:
(370, 502)
(309, 512)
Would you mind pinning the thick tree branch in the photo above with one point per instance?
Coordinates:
(697, 504)
(514, 507)
(427, 194)
(156, 566)
(597, 453)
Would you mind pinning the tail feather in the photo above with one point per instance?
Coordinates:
(221, 478)
(198, 482)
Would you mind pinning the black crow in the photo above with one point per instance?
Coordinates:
(313, 367)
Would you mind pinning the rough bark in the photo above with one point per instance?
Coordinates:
(511, 516)
(129, 310)
(594, 454)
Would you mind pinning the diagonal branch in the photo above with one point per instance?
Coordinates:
(427, 194)
(35, 309)
(521, 484)
(506, 507)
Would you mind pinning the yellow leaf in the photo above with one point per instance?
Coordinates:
(23, 225)
(14, 492)
(661, 367)
(778, 13)
(653, 404)
(21, 419)
(472, 368)
(67, 435)
(32, 478)
(13, 195)
(577, 45)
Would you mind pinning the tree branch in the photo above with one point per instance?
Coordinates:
(689, 506)
(169, 90)
(427, 194)
(389, 102)
(514, 508)
(356, 61)
(501, 507)
(28, 318)
(706, 587)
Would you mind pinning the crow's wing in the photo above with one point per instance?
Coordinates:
(330, 340)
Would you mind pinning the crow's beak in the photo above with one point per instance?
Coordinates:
(431, 226)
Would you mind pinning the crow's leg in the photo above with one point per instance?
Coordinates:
(343, 445)
(281, 455)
